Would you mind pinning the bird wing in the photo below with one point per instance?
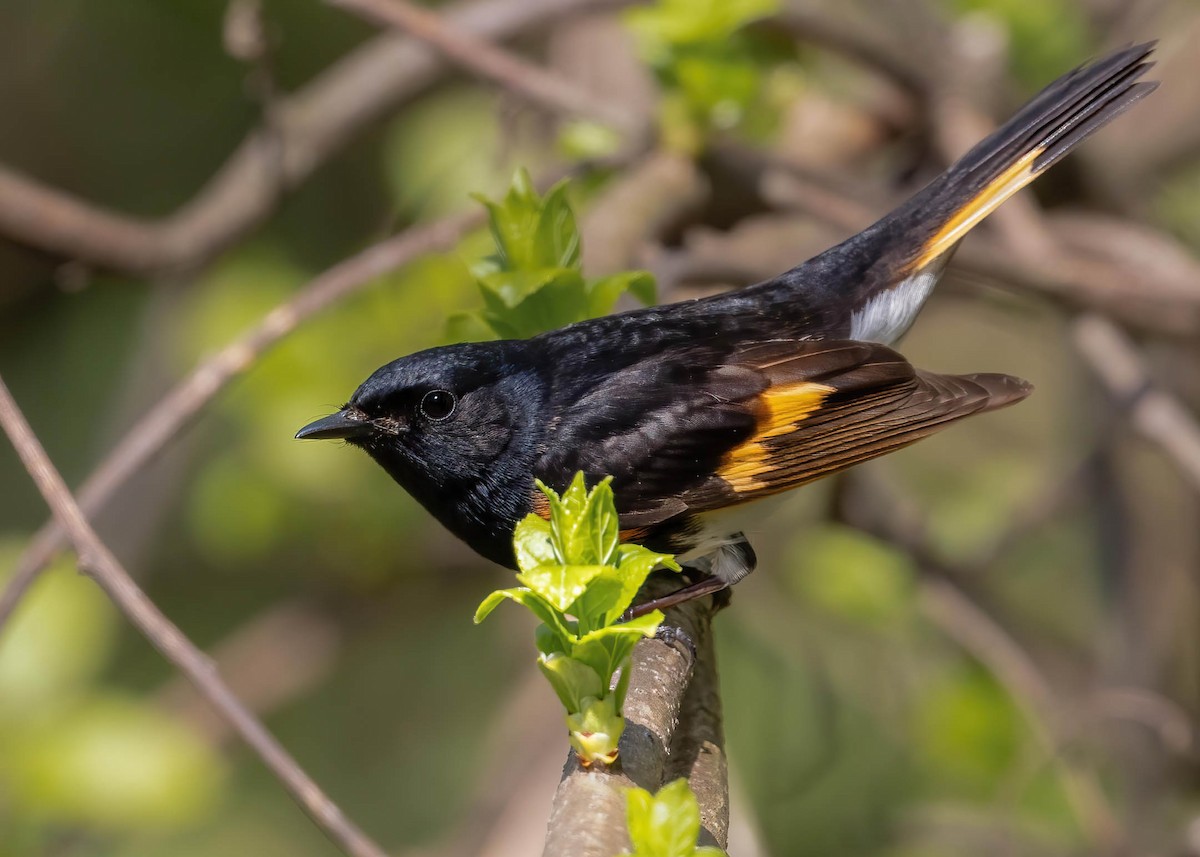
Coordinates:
(683, 436)
(840, 403)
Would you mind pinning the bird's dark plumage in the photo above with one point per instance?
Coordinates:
(700, 409)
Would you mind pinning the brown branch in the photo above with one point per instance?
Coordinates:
(95, 560)
(304, 130)
(481, 57)
(177, 408)
(698, 744)
(673, 729)
(638, 205)
(1158, 415)
(854, 43)
(278, 655)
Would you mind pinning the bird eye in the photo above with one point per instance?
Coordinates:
(437, 405)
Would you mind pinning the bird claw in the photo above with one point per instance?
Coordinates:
(677, 638)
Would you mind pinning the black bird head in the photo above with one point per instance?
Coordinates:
(456, 427)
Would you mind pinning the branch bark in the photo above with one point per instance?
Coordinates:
(96, 561)
(672, 729)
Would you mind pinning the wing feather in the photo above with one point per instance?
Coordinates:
(701, 430)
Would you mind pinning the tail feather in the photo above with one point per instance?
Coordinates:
(1054, 122)
(871, 286)
(1057, 107)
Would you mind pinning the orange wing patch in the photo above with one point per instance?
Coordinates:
(746, 465)
(540, 505)
(633, 534)
(980, 206)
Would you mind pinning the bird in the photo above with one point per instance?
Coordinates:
(705, 412)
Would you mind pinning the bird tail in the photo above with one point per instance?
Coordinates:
(1058, 119)
(871, 286)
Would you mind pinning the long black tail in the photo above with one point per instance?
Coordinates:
(873, 284)
(1058, 119)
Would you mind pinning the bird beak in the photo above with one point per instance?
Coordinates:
(346, 423)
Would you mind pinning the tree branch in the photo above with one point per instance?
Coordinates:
(1158, 415)
(306, 128)
(96, 561)
(481, 57)
(183, 402)
(672, 729)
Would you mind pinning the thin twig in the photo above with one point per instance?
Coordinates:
(179, 406)
(97, 562)
(481, 57)
(856, 44)
(306, 128)
(268, 661)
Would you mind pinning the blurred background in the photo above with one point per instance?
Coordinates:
(985, 644)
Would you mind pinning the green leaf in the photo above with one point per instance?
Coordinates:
(665, 825)
(641, 285)
(597, 606)
(601, 529)
(559, 584)
(581, 139)
(492, 601)
(533, 232)
(604, 292)
(572, 680)
(606, 648)
(111, 764)
(533, 543)
(469, 327)
(550, 642)
(600, 653)
(56, 643)
(595, 731)
(536, 605)
(642, 626)
(532, 301)
(585, 524)
(719, 85)
(558, 235)
(639, 810)
(635, 563)
(533, 282)
(622, 686)
(507, 290)
(683, 22)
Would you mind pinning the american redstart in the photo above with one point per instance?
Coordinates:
(700, 409)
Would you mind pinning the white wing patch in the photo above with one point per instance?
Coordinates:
(888, 315)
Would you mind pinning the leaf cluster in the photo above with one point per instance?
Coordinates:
(534, 281)
(578, 580)
(711, 72)
(666, 824)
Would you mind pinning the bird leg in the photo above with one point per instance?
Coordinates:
(705, 586)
